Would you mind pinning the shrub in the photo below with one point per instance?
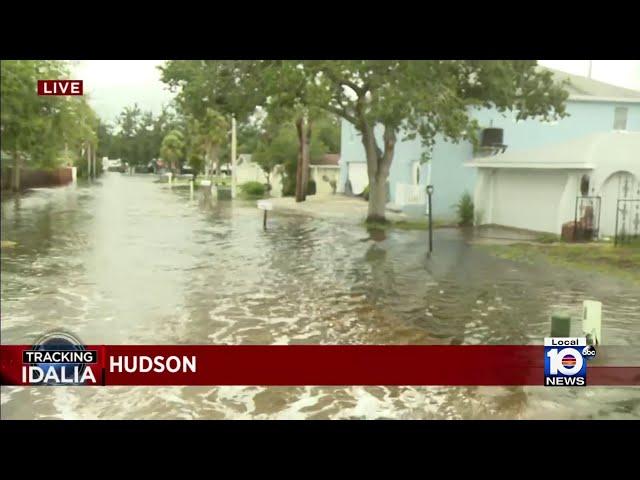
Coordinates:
(365, 193)
(311, 187)
(547, 238)
(464, 209)
(253, 189)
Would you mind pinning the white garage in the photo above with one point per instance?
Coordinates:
(537, 189)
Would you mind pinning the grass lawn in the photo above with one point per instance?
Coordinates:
(408, 225)
(598, 256)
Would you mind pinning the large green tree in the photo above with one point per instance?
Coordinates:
(388, 99)
(137, 136)
(209, 132)
(211, 94)
(278, 145)
(38, 130)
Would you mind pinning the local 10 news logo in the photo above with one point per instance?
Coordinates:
(565, 361)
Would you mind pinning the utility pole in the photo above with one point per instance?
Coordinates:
(233, 157)
(590, 67)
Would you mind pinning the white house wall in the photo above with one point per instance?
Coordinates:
(318, 174)
(483, 195)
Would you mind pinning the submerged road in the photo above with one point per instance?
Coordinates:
(127, 260)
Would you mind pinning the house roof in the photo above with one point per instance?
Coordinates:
(588, 89)
(330, 159)
(617, 149)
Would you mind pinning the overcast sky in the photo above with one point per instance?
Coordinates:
(115, 84)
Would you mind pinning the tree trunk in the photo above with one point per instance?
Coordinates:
(378, 166)
(306, 156)
(214, 158)
(300, 191)
(208, 162)
(16, 172)
(268, 175)
(302, 171)
(377, 200)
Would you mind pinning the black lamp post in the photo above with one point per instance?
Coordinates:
(429, 193)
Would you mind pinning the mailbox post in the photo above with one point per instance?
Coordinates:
(265, 206)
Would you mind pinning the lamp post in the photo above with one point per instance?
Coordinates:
(429, 193)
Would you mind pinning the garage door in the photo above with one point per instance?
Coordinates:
(528, 199)
(358, 176)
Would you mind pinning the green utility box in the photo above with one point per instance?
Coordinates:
(560, 325)
(224, 192)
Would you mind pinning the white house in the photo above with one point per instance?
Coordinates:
(325, 171)
(592, 106)
(540, 188)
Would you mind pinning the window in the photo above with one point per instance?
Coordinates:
(620, 118)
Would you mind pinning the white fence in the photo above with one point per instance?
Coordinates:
(410, 194)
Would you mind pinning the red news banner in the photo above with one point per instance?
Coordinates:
(296, 365)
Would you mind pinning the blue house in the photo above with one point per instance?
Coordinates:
(592, 106)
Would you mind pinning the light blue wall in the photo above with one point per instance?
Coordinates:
(449, 175)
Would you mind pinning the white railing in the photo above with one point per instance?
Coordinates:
(410, 194)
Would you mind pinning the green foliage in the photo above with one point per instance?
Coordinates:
(226, 86)
(205, 135)
(311, 187)
(325, 134)
(139, 135)
(253, 189)
(365, 193)
(42, 131)
(278, 146)
(594, 257)
(548, 238)
(464, 210)
(406, 98)
(172, 148)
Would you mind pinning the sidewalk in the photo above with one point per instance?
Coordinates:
(331, 206)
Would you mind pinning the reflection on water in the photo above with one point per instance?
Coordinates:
(130, 261)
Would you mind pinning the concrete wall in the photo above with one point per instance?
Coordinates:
(251, 172)
(32, 178)
(449, 175)
(319, 172)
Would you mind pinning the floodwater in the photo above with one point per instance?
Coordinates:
(128, 261)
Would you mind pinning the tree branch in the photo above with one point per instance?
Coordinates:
(340, 112)
(343, 81)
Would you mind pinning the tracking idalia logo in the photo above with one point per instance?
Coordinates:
(59, 359)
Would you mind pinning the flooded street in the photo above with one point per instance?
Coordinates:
(129, 261)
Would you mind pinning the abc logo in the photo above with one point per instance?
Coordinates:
(589, 352)
(567, 361)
